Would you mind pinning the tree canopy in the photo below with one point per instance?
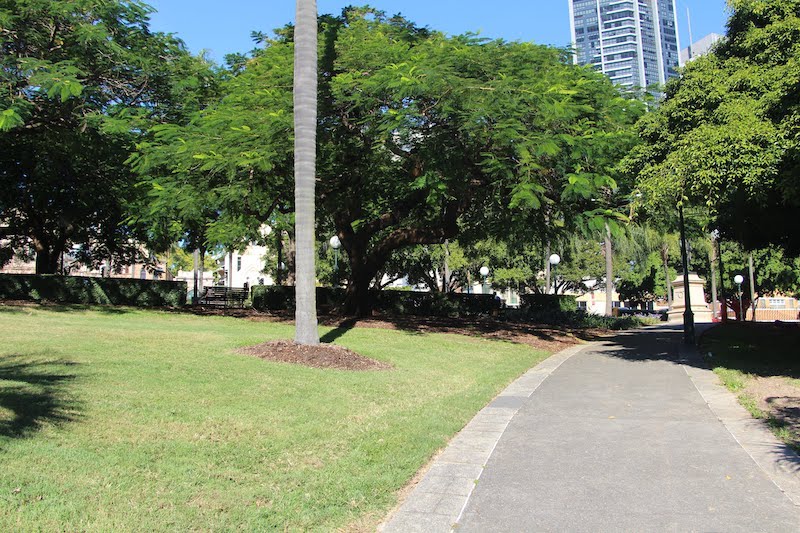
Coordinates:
(726, 136)
(421, 137)
(79, 81)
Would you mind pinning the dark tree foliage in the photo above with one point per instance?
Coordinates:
(726, 137)
(79, 81)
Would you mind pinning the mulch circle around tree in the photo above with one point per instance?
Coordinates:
(316, 356)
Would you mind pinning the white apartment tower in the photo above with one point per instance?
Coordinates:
(633, 42)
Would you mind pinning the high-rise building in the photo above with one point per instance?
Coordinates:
(700, 48)
(633, 42)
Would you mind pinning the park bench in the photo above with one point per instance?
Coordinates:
(224, 296)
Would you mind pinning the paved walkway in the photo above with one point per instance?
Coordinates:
(620, 436)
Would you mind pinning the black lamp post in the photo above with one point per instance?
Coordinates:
(688, 315)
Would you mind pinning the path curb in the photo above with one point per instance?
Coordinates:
(437, 502)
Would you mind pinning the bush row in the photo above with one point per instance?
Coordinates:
(281, 298)
(549, 302)
(86, 290)
(577, 319)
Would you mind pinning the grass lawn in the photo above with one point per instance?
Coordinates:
(761, 364)
(141, 420)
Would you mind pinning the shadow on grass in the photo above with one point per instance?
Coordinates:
(339, 331)
(33, 393)
(18, 306)
(760, 349)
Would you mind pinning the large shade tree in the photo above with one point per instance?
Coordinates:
(421, 138)
(79, 81)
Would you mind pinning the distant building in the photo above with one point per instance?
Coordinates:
(701, 47)
(633, 42)
(69, 265)
(247, 267)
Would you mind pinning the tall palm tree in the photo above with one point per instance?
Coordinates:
(305, 159)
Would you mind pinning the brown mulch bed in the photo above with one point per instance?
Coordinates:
(317, 356)
(541, 337)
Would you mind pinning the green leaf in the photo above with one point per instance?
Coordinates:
(10, 119)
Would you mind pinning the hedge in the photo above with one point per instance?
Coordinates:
(281, 298)
(86, 290)
(549, 302)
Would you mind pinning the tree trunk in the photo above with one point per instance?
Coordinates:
(446, 268)
(752, 287)
(714, 300)
(609, 272)
(46, 257)
(305, 126)
(547, 269)
(723, 303)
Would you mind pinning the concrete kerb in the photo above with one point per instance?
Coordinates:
(438, 501)
(779, 462)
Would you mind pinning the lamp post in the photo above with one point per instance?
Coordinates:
(688, 315)
(335, 244)
(484, 274)
(739, 279)
(554, 260)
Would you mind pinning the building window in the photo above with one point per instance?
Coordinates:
(238, 264)
(616, 305)
(777, 303)
(582, 306)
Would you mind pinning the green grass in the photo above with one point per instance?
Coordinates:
(144, 420)
(744, 352)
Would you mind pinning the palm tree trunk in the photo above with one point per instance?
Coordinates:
(305, 146)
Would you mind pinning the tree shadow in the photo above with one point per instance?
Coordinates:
(665, 343)
(338, 331)
(98, 308)
(662, 343)
(760, 349)
(33, 393)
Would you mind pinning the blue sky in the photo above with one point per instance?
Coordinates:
(224, 27)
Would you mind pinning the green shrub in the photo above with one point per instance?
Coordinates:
(549, 302)
(575, 319)
(86, 290)
(392, 302)
(435, 304)
(281, 297)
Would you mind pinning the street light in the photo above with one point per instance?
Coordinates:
(739, 279)
(688, 315)
(484, 273)
(335, 244)
(554, 260)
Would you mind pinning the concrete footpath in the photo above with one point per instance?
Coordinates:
(629, 434)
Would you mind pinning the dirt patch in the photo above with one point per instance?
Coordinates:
(317, 356)
(778, 399)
